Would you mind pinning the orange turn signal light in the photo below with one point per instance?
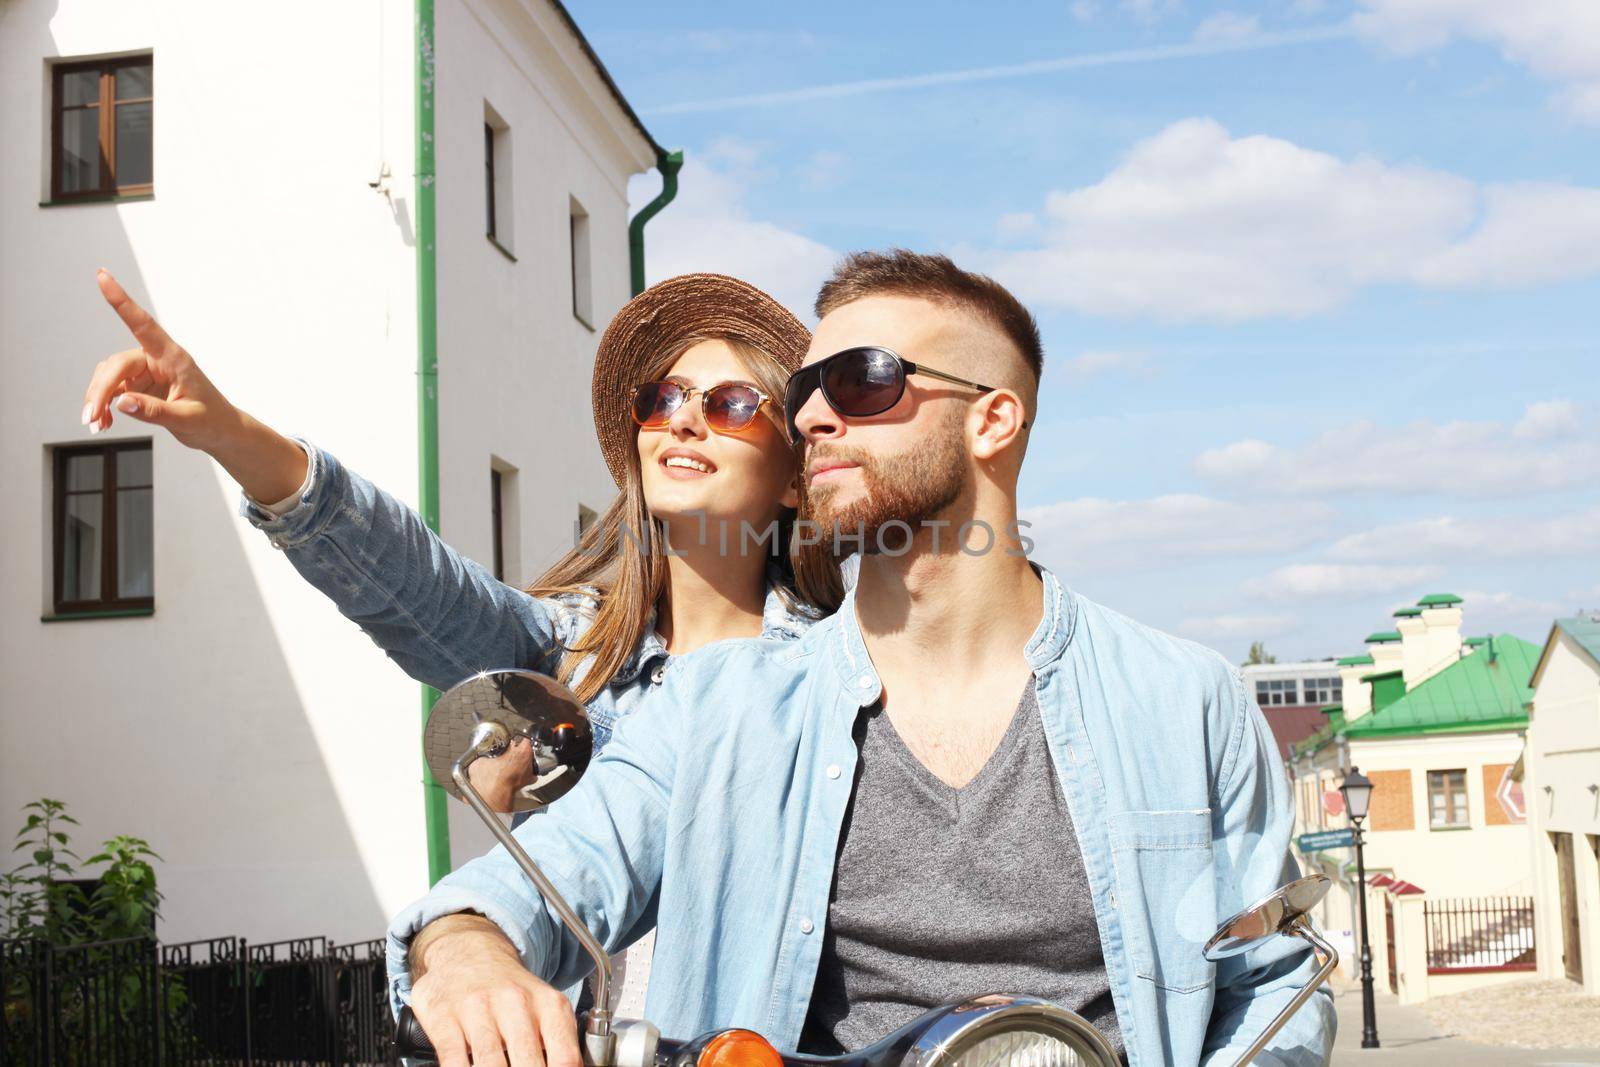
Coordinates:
(739, 1048)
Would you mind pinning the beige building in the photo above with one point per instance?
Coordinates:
(1563, 787)
(1437, 722)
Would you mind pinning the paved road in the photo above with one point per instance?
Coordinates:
(1406, 1037)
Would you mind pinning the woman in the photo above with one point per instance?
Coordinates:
(688, 383)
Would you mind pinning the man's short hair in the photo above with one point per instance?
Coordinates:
(900, 272)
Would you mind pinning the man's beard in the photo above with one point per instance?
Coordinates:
(909, 487)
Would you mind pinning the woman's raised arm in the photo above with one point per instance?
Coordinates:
(438, 614)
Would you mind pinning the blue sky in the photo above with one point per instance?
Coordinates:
(1318, 281)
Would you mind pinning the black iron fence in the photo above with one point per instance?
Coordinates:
(137, 1002)
(1480, 934)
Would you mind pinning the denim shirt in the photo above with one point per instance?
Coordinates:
(439, 615)
(716, 817)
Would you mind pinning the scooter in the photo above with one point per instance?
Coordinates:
(483, 715)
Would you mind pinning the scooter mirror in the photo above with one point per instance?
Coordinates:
(1276, 913)
(489, 711)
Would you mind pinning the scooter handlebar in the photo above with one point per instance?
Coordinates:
(410, 1041)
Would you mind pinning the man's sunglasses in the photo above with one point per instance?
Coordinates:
(858, 382)
(727, 408)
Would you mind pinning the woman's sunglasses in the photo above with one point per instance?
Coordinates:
(858, 382)
(727, 408)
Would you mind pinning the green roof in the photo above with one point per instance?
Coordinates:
(1475, 642)
(1439, 600)
(1332, 708)
(1355, 661)
(1404, 613)
(1486, 691)
(1382, 637)
(1377, 675)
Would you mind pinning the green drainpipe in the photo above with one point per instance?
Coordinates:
(668, 163)
(435, 812)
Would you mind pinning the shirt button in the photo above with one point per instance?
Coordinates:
(656, 675)
(805, 926)
(833, 770)
(864, 681)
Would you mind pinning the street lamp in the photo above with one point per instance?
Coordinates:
(1357, 790)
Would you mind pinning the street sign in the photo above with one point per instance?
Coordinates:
(1326, 839)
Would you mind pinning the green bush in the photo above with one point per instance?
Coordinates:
(39, 900)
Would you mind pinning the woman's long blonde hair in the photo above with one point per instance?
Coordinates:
(619, 563)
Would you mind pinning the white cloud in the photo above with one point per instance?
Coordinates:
(1084, 10)
(1096, 534)
(1096, 362)
(1559, 40)
(1227, 26)
(1223, 627)
(1530, 233)
(1195, 224)
(1547, 419)
(1527, 617)
(1509, 536)
(1469, 458)
(1016, 224)
(1338, 581)
(709, 228)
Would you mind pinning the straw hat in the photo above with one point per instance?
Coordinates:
(713, 305)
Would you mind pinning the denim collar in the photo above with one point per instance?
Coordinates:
(848, 650)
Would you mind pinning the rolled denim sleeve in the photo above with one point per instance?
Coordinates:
(439, 615)
(602, 847)
(1251, 832)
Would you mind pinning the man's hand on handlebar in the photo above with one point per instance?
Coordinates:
(474, 999)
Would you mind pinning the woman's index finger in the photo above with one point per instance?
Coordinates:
(145, 329)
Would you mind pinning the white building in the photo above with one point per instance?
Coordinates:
(257, 190)
(1562, 786)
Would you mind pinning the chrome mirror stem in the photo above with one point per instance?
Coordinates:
(1299, 927)
(490, 737)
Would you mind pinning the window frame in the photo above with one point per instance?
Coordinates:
(1450, 795)
(497, 522)
(61, 455)
(107, 104)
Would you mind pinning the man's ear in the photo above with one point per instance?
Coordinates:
(1000, 419)
(791, 492)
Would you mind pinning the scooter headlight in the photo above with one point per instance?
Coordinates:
(1001, 1031)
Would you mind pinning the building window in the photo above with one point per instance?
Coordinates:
(497, 194)
(1277, 691)
(103, 542)
(497, 526)
(1447, 799)
(1322, 691)
(488, 173)
(100, 128)
(582, 299)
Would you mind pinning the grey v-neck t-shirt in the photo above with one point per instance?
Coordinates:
(941, 894)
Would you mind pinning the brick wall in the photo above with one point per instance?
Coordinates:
(1391, 807)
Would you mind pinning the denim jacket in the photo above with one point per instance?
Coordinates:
(716, 817)
(439, 615)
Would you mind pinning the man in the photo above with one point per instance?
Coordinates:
(968, 780)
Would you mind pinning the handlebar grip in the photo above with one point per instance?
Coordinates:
(410, 1040)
